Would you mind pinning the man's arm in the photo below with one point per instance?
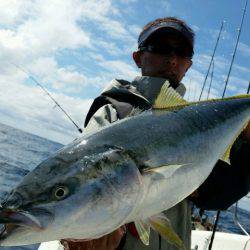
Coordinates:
(106, 242)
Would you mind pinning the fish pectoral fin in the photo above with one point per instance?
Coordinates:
(163, 172)
(162, 225)
(226, 156)
(168, 98)
(143, 230)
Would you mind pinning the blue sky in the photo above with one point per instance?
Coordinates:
(76, 47)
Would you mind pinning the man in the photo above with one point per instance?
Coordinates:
(165, 50)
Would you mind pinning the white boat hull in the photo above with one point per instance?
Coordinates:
(222, 241)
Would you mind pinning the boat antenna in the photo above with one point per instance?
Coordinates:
(212, 75)
(235, 49)
(215, 47)
(47, 92)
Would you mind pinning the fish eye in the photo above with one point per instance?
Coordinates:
(60, 192)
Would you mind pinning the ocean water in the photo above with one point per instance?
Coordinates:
(20, 152)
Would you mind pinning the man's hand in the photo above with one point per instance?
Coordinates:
(107, 242)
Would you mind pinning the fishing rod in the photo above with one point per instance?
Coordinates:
(248, 88)
(47, 92)
(212, 58)
(235, 49)
(212, 75)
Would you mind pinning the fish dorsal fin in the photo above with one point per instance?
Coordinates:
(226, 155)
(168, 98)
(162, 225)
(143, 230)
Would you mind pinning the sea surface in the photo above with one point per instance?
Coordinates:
(20, 152)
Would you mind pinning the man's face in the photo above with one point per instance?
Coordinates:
(171, 67)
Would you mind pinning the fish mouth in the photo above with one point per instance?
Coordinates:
(11, 221)
(20, 218)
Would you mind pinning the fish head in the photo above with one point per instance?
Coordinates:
(31, 210)
(70, 199)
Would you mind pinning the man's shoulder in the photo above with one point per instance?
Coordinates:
(123, 97)
(124, 91)
(119, 85)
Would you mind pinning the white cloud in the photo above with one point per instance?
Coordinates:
(30, 108)
(120, 69)
(244, 49)
(96, 9)
(165, 5)
(53, 27)
(221, 63)
(225, 35)
(114, 28)
(109, 47)
(71, 82)
(135, 29)
(237, 85)
(102, 14)
(115, 68)
(241, 69)
(48, 27)
(195, 28)
(10, 40)
(101, 81)
(47, 72)
(193, 81)
(43, 66)
(13, 11)
(128, 1)
(201, 61)
(69, 77)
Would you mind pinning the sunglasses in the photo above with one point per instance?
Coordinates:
(167, 50)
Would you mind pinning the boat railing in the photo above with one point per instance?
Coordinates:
(236, 219)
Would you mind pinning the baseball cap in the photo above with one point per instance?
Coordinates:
(162, 29)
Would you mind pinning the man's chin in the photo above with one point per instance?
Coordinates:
(171, 77)
(174, 83)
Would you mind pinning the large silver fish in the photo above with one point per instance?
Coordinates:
(128, 171)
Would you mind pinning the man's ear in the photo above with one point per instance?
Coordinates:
(137, 58)
(189, 65)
